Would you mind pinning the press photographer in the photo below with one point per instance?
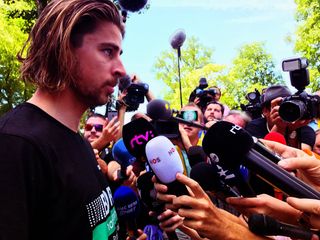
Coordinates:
(253, 108)
(300, 105)
(134, 92)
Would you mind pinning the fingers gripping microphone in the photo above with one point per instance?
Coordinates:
(267, 226)
(165, 162)
(159, 109)
(224, 134)
(178, 39)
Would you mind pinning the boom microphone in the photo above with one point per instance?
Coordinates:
(132, 5)
(178, 39)
(267, 226)
(159, 109)
(224, 134)
(165, 162)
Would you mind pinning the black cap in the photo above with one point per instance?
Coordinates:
(273, 92)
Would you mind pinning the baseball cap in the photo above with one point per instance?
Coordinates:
(273, 92)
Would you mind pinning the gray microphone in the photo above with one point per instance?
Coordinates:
(178, 38)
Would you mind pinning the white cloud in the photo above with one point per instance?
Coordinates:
(263, 5)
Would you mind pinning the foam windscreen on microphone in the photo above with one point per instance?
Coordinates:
(136, 134)
(126, 202)
(121, 155)
(178, 38)
(276, 137)
(229, 142)
(165, 162)
(159, 109)
(132, 5)
(196, 155)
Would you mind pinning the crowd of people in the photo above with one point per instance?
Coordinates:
(58, 183)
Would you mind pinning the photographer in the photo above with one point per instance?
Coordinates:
(202, 96)
(297, 134)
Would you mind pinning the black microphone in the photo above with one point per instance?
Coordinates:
(159, 109)
(267, 226)
(178, 39)
(196, 155)
(210, 180)
(136, 135)
(222, 135)
(132, 5)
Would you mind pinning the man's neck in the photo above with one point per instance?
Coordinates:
(62, 106)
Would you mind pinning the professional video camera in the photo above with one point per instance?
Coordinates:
(253, 108)
(299, 105)
(135, 92)
(204, 95)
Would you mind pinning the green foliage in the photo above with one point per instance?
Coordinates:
(308, 37)
(13, 90)
(251, 68)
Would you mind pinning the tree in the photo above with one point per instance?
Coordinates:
(308, 37)
(251, 68)
(195, 63)
(13, 90)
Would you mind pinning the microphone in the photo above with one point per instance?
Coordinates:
(159, 109)
(178, 38)
(224, 134)
(136, 134)
(165, 162)
(210, 180)
(276, 137)
(267, 226)
(132, 5)
(123, 157)
(128, 209)
(196, 155)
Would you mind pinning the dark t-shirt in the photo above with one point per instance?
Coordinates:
(51, 186)
(258, 128)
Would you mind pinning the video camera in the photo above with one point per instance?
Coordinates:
(253, 108)
(135, 92)
(299, 105)
(204, 95)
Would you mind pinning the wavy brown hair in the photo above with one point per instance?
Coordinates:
(49, 62)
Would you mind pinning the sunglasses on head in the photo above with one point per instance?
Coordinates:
(189, 115)
(97, 127)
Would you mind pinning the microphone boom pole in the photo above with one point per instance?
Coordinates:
(179, 75)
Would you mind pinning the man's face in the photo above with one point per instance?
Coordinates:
(191, 131)
(213, 112)
(92, 129)
(99, 65)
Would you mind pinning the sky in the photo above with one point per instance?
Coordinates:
(223, 26)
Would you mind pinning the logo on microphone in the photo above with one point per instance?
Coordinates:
(171, 151)
(155, 160)
(141, 139)
(234, 129)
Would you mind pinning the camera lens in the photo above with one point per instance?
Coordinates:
(292, 110)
